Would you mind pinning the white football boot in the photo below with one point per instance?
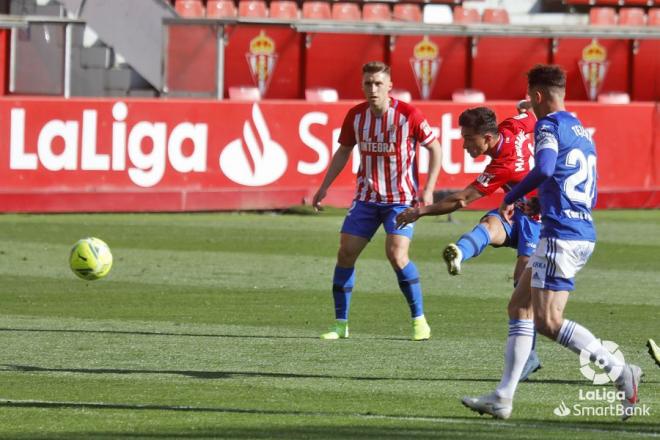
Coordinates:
(492, 404)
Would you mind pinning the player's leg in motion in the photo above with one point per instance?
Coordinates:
(518, 348)
(359, 226)
(490, 230)
(397, 245)
(557, 262)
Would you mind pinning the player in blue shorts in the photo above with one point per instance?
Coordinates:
(387, 133)
(565, 175)
(509, 148)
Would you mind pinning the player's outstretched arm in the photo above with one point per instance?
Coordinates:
(337, 164)
(435, 160)
(447, 205)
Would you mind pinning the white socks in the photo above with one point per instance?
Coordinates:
(518, 347)
(576, 338)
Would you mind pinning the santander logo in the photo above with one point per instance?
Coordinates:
(256, 159)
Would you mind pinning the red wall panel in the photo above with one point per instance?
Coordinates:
(335, 60)
(499, 70)
(276, 70)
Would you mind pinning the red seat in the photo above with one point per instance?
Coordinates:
(252, 9)
(495, 16)
(632, 17)
(244, 93)
(220, 9)
(189, 8)
(407, 12)
(346, 11)
(654, 17)
(316, 10)
(286, 9)
(602, 16)
(376, 12)
(466, 15)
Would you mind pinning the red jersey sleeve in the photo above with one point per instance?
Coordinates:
(421, 129)
(523, 121)
(494, 176)
(347, 134)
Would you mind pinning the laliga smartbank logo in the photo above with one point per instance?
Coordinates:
(601, 401)
(587, 356)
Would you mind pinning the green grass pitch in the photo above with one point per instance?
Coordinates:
(208, 324)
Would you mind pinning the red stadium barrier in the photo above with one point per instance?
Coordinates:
(143, 155)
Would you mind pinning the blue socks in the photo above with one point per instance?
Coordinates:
(342, 286)
(344, 279)
(411, 288)
(474, 242)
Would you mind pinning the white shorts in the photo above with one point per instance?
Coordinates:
(555, 262)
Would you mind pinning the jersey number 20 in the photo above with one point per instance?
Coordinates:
(585, 174)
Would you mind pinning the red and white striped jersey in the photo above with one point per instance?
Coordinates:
(388, 150)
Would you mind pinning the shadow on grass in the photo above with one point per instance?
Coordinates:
(226, 374)
(152, 333)
(367, 426)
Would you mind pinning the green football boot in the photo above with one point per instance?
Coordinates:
(339, 330)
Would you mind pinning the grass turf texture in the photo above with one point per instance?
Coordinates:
(208, 325)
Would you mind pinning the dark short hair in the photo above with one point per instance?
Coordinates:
(480, 119)
(376, 67)
(546, 76)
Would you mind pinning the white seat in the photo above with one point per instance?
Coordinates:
(614, 98)
(468, 96)
(438, 14)
(401, 95)
(244, 93)
(321, 94)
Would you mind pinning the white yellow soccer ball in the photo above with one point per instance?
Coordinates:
(90, 258)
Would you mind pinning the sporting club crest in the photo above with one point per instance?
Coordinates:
(262, 59)
(425, 65)
(593, 68)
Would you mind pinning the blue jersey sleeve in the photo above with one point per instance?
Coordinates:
(546, 149)
(546, 160)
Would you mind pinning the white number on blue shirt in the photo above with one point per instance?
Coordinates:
(585, 173)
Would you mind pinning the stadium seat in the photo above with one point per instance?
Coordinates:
(189, 8)
(468, 96)
(653, 17)
(316, 10)
(438, 14)
(614, 98)
(401, 95)
(321, 94)
(221, 9)
(376, 12)
(244, 93)
(466, 15)
(632, 17)
(407, 12)
(252, 9)
(285, 9)
(495, 16)
(602, 16)
(343, 11)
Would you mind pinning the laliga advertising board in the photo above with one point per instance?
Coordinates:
(155, 155)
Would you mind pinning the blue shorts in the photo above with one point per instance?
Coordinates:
(523, 234)
(364, 218)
